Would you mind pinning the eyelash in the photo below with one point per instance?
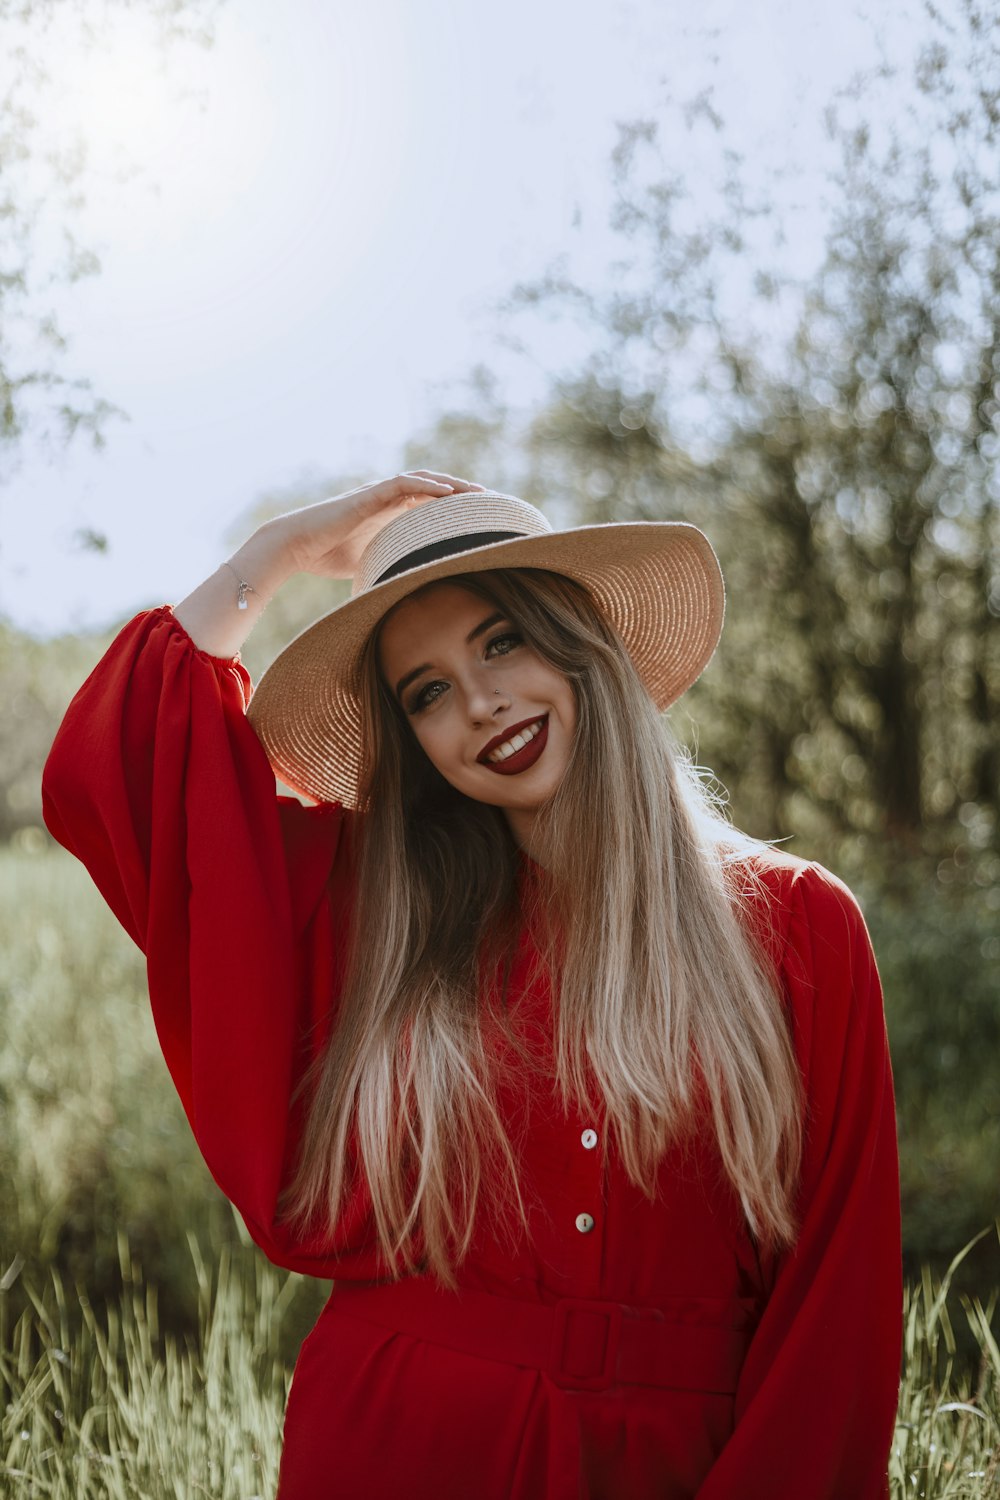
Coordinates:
(421, 701)
(505, 635)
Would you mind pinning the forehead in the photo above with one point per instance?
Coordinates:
(440, 615)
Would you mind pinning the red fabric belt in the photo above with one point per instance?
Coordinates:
(695, 1345)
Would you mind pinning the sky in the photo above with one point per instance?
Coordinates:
(306, 229)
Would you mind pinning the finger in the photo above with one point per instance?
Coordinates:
(452, 479)
(423, 477)
(402, 485)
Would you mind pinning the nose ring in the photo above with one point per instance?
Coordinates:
(497, 691)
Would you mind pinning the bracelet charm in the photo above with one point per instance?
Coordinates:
(244, 587)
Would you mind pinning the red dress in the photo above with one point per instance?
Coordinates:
(772, 1378)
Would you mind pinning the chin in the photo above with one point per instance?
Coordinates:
(530, 801)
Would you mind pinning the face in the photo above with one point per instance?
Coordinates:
(494, 718)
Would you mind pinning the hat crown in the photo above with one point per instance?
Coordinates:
(442, 528)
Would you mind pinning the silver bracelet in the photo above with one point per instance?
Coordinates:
(244, 587)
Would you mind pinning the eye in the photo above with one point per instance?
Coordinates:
(503, 644)
(426, 696)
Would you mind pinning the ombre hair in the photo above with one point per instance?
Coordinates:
(663, 1000)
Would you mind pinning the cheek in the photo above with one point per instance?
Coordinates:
(565, 700)
(433, 743)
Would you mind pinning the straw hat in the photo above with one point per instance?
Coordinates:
(657, 582)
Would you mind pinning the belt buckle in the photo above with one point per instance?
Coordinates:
(602, 1341)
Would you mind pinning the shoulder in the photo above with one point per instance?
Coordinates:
(797, 904)
(813, 928)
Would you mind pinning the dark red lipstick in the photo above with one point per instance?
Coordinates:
(521, 759)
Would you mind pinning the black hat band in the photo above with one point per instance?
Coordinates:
(446, 547)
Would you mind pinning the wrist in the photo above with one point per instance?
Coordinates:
(264, 562)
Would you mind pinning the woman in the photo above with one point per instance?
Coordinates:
(582, 1098)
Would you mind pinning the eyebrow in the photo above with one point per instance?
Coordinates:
(426, 666)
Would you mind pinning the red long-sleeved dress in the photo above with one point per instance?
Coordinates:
(777, 1376)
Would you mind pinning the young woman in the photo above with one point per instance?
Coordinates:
(582, 1098)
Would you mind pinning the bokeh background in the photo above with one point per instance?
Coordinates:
(735, 264)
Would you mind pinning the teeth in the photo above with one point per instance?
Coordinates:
(516, 742)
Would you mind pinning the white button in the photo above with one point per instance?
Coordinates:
(585, 1223)
(589, 1139)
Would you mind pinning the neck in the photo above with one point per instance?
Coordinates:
(524, 829)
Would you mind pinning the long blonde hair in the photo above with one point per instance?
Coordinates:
(664, 1000)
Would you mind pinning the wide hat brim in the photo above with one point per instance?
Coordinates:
(658, 583)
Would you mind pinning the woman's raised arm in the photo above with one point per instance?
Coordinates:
(326, 538)
(159, 785)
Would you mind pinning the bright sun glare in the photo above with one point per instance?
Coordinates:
(160, 114)
(291, 122)
(122, 88)
(124, 98)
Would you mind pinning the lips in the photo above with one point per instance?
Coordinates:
(521, 759)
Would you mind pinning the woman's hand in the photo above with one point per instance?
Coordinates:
(329, 537)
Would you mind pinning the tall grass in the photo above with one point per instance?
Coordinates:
(948, 1424)
(104, 1407)
(101, 1404)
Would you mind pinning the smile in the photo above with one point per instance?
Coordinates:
(519, 750)
(516, 742)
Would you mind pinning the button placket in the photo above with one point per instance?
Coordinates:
(588, 1140)
(582, 1199)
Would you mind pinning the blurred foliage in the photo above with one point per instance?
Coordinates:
(94, 1144)
(89, 1146)
(37, 680)
(473, 441)
(44, 186)
(939, 956)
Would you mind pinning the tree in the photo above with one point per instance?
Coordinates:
(845, 465)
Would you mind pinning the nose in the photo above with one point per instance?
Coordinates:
(485, 700)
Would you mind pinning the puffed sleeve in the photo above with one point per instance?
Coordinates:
(157, 782)
(818, 1392)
